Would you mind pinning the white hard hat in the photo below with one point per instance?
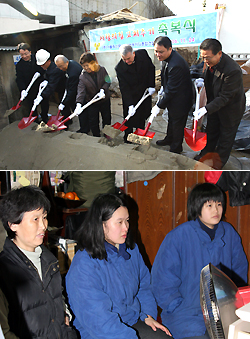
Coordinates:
(42, 56)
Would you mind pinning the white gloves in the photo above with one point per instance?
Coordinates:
(199, 82)
(24, 94)
(151, 90)
(101, 94)
(78, 109)
(61, 107)
(199, 113)
(38, 99)
(131, 110)
(161, 91)
(155, 110)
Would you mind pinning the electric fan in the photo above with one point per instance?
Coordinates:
(219, 298)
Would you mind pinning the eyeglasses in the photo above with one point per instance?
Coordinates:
(24, 54)
(208, 58)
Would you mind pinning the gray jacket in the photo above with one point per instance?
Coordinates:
(87, 88)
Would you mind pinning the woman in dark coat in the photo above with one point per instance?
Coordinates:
(93, 79)
(29, 273)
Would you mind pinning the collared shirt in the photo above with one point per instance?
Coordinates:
(122, 250)
(209, 231)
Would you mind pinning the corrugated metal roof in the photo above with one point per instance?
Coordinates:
(124, 13)
(8, 48)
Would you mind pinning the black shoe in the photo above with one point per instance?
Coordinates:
(197, 157)
(163, 142)
(176, 152)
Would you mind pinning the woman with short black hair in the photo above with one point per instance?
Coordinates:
(29, 273)
(205, 238)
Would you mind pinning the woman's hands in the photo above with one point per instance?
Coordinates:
(154, 325)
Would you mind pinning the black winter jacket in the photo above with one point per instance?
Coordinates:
(56, 80)
(134, 80)
(25, 71)
(228, 96)
(237, 183)
(72, 78)
(36, 308)
(177, 84)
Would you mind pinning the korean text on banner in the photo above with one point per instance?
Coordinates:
(183, 31)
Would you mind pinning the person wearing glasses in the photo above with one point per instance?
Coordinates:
(25, 70)
(225, 103)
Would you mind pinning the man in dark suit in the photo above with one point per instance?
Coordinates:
(176, 92)
(25, 69)
(72, 72)
(225, 103)
(56, 81)
(135, 72)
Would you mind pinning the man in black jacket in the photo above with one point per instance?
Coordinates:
(135, 72)
(225, 103)
(72, 72)
(56, 81)
(176, 92)
(25, 69)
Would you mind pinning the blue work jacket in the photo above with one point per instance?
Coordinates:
(108, 296)
(177, 267)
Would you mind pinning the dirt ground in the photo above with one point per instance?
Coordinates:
(29, 149)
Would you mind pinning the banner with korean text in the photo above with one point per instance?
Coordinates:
(184, 31)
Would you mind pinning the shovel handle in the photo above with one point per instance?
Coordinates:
(18, 104)
(194, 131)
(41, 88)
(198, 92)
(146, 129)
(58, 113)
(35, 76)
(145, 96)
(64, 95)
(94, 99)
(123, 123)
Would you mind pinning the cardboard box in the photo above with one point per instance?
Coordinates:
(65, 254)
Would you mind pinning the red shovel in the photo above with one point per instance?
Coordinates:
(121, 126)
(141, 136)
(14, 108)
(57, 119)
(111, 132)
(25, 122)
(196, 140)
(59, 125)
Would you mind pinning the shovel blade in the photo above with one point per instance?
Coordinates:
(59, 128)
(25, 122)
(197, 143)
(140, 137)
(119, 126)
(54, 120)
(14, 108)
(141, 132)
